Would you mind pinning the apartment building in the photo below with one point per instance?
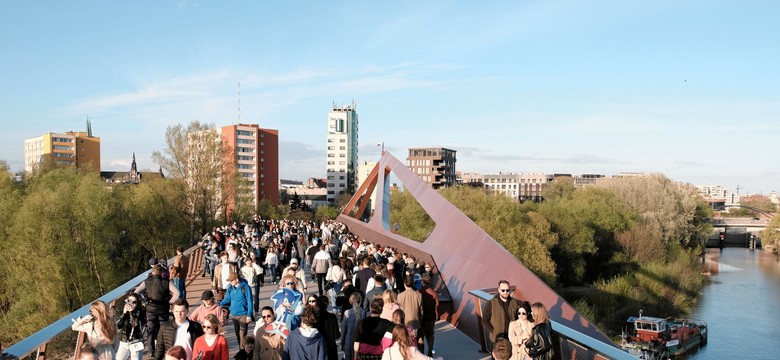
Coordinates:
(434, 165)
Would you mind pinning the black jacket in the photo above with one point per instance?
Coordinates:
(166, 337)
(328, 326)
(132, 325)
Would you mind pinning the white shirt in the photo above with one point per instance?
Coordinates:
(183, 338)
(225, 274)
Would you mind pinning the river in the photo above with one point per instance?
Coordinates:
(740, 304)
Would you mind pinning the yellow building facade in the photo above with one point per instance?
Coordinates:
(67, 149)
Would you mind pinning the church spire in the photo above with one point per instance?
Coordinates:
(133, 175)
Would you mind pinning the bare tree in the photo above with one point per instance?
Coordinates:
(194, 154)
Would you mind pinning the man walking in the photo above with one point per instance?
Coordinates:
(179, 270)
(498, 312)
(411, 301)
(179, 331)
(319, 266)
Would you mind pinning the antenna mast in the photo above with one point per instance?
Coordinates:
(239, 102)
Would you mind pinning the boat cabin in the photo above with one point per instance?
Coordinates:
(648, 328)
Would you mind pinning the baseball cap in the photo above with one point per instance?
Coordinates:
(294, 261)
(153, 261)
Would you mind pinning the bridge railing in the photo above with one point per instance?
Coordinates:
(61, 329)
(569, 343)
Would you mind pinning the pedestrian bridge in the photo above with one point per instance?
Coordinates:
(467, 261)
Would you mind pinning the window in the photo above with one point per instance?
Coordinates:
(245, 141)
(331, 163)
(341, 177)
(342, 147)
(245, 133)
(245, 157)
(331, 155)
(331, 148)
(343, 140)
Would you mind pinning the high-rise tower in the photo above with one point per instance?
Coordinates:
(342, 150)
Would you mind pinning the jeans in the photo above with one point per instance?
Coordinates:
(272, 272)
(124, 353)
(179, 284)
(332, 294)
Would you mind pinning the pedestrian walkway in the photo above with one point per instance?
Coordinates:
(451, 344)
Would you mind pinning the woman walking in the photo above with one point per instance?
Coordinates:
(211, 345)
(352, 318)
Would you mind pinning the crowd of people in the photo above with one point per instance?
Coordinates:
(370, 302)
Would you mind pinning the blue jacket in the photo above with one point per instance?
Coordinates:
(302, 347)
(239, 298)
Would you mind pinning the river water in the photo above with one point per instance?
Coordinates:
(740, 305)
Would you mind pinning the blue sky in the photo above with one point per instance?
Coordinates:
(686, 88)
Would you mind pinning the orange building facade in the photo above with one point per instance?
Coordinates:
(253, 152)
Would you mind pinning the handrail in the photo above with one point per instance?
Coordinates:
(33, 342)
(605, 349)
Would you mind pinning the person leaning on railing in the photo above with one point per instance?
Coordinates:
(100, 329)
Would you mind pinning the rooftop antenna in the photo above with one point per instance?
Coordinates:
(89, 127)
(239, 102)
(738, 189)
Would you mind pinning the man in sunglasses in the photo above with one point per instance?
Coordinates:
(499, 312)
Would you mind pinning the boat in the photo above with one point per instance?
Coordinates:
(656, 338)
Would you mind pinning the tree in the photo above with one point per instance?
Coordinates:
(761, 202)
(771, 234)
(664, 206)
(586, 221)
(68, 239)
(326, 212)
(195, 154)
(295, 202)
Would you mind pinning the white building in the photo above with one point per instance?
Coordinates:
(342, 160)
(523, 186)
(364, 169)
(717, 192)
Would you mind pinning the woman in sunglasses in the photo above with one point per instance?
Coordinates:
(288, 302)
(211, 345)
(131, 325)
(520, 331)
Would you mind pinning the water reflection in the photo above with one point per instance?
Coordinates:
(739, 305)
